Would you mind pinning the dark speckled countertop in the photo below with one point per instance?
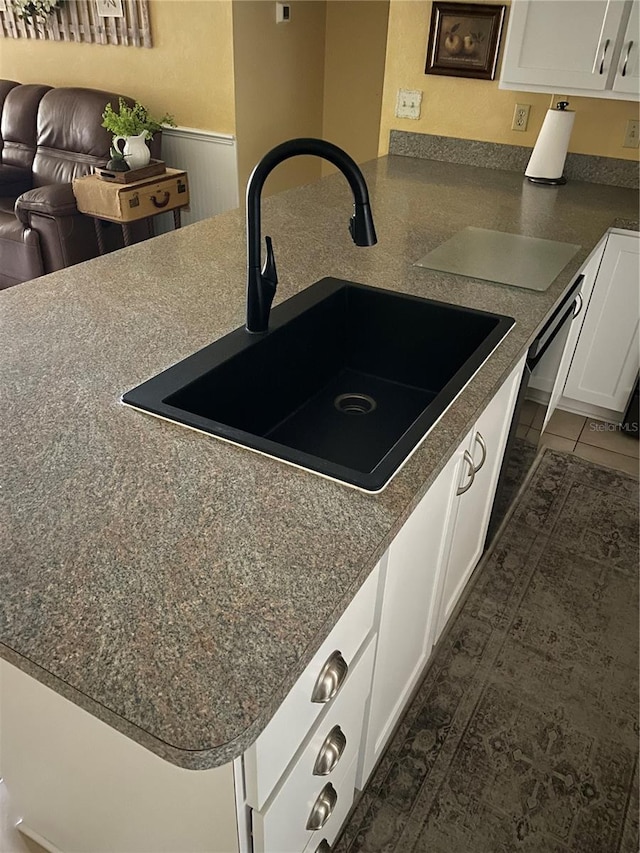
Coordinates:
(169, 582)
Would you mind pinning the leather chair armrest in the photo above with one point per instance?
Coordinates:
(52, 200)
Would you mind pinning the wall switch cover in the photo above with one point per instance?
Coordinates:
(283, 13)
(631, 134)
(408, 103)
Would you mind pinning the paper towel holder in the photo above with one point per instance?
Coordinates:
(557, 181)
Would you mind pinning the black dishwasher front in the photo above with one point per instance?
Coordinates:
(523, 441)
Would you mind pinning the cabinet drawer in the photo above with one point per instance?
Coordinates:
(331, 829)
(283, 826)
(268, 757)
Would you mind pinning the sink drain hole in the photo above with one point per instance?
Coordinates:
(355, 404)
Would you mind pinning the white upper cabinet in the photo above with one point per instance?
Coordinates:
(627, 79)
(572, 47)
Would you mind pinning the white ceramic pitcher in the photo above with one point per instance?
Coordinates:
(136, 152)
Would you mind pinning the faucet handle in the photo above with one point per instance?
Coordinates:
(361, 227)
(269, 272)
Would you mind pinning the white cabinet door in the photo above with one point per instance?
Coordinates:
(605, 363)
(627, 79)
(564, 45)
(476, 482)
(405, 635)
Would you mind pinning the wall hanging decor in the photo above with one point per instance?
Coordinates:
(123, 22)
(464, 39)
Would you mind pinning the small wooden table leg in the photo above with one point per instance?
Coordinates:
(99, 235)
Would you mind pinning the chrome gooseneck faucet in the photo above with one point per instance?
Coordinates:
(261, 284)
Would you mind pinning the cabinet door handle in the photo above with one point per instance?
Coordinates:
(579, 303)
(331, 678)
(330, 752)
(604, 53)
(472, 471)
(322, 808)
(626, 59)
(323, 847)
(480, 440)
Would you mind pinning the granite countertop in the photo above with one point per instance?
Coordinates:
(174, 585)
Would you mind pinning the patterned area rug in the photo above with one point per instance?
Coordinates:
(524, 733)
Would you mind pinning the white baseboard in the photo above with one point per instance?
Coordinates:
(23, 829)
(587, 410)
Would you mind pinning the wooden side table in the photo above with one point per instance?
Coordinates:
(126, 203)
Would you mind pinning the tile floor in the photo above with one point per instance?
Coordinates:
(597, 441)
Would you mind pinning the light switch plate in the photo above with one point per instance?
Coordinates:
(283, 13)
(631, 134)
(408, 103)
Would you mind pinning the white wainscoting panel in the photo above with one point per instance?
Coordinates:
(211, 162)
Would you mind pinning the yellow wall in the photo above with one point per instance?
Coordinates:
(279, 78)
(323, 74)
(477, 109)
(356, 36)
(188, 72)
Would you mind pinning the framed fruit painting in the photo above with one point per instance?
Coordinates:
(464, 39)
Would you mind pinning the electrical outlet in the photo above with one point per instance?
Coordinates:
(631, 134)
(408, 103)
(520, 117)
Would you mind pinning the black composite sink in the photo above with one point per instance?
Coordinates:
(346, 382)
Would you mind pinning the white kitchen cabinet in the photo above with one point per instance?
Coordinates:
(606, 361)
(405, 632)
(478, 464)
(627, 78)
(428, 565)
(573, 47)
(322, 793)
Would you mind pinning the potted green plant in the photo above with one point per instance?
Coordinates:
(37, 11)
(134, 125)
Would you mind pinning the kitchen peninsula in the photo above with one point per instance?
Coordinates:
(170, 584)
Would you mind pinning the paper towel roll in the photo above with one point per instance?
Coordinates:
(550, 151)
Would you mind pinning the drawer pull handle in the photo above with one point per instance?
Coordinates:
(604, 53)
(331, 678)
(483, 447)
(330, 752)
(626, 59)
(322, 808)
(323, 847)
(472, 471)
(163, 202)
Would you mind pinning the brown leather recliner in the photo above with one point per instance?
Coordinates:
(5, 87)
(41, 229)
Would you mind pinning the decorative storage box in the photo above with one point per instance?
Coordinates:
(129, 202)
